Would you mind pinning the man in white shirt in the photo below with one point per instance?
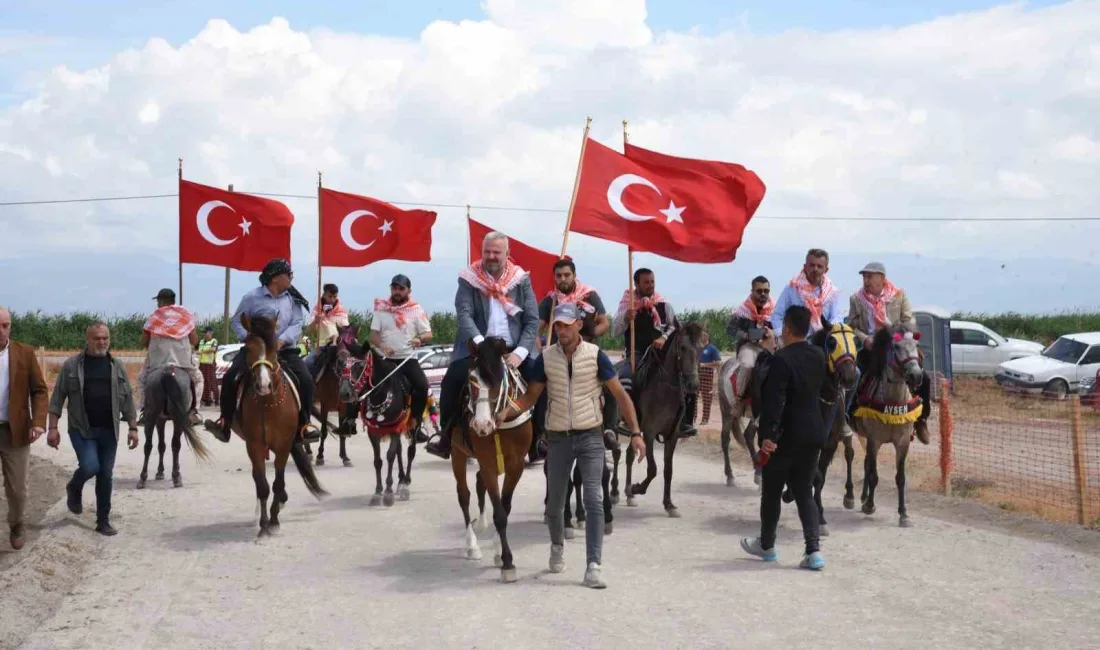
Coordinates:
(400, 326)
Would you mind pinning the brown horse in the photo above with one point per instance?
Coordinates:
(491, 387)
(327, 397)
(268, 419)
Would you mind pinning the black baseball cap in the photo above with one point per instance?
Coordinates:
(165, 294)
(401, 280)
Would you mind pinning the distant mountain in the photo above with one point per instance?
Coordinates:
(112, 284)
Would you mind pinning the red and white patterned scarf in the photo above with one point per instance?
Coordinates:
(640, 304)
(170, 321)
(876, 305)
(402, 312)
(815, 303)
(489, 286)
(577, 296)
(322, 316)
(749, 310)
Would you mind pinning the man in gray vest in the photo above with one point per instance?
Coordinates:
(574, 373)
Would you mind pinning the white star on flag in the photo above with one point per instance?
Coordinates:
(672, 213)
(386, 227)
(245, 225)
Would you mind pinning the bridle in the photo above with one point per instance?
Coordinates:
(840, 346)
(365, 380)
(508, 389)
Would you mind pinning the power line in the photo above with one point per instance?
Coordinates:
(560, 211)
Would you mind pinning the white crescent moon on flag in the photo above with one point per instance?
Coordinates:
(615, 195)
(345, 230)
(202, 220)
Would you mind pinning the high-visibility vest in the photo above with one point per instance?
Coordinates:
(207, 350)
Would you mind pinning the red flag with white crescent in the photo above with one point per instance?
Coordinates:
(230, 229)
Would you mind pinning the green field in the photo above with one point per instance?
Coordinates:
(66, 332)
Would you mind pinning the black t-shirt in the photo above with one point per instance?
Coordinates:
(589, 318)
(97, 391)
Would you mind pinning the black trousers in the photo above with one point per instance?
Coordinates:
(418, 386)
(794, 468)
(289, 358)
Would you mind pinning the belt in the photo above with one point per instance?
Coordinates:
(573, 432)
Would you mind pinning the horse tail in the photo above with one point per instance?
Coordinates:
(174, 394)
(305, 470)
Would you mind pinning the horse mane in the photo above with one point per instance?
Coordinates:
(883, 339)
(263, 328)
(692, 330)
(819, 337)
(489, 360)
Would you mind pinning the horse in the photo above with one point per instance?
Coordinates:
(327, 397)
(887, 406)
(735, 411)
(662, 379)
(490, 387)
(168, 397)
(267, 418)
(369, 379)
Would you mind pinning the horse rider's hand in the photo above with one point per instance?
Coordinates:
(868, 342)
(132, 439)
(36, 433)
(638, 443)
(387, 350)
(659, 343)
(630, 313)
(53, 437)
(503, 416)
(514, 360)
(416, 342)
(767, 446)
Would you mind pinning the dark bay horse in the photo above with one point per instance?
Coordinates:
(168, 397)
(268, 419)
(662, 379)
(327, 397)
(490, 387)
(383, 394)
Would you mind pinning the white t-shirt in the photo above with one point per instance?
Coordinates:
(398, 339)
(5, 379)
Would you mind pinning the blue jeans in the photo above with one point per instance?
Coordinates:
(586, 448)
(96, 456)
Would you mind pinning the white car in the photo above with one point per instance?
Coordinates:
(1060, 370)
(223, 357)
(435, 366)
(976, 349)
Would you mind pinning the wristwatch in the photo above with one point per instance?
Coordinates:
(636, 434)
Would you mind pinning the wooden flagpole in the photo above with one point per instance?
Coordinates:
(320, 230)
(468, 242)
(179, 253)
(225, 313)
(630, 273)
(576, 186)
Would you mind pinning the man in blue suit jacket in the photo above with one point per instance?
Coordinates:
(494, 298)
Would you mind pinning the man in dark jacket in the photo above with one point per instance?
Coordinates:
(792, 431)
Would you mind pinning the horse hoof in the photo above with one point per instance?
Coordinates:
(570, 533)
(403, 493)
(264, 532)
(347, 463)
(388, 499)
(904, 522)
(824, 531)
(673, 512)
(177, 480)
(141, 483)
(756, 477)
(319, 461)
(849, 503)
(868, 508)
(498, 562)
(160, 476)
(614, 499)
(630, 502)
(508, 575)
(376, 500)
(730, 482)
(788, 496)
(608, 527)
(580, 521)
(473, 554)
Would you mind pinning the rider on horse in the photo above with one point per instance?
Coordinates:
(653, 321)
(277, 297)
(400, 326)
(595, 322)
(328, 317)
(877, 305)
(748, 326)
(169, 335)
(494, 298)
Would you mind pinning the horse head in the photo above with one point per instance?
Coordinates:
(261, 353)
(679, 357)
(838, 340)
(487, 381)
(896, 353)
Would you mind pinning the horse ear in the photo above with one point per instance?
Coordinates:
(500, 346)
(246, 322)
(825, 324)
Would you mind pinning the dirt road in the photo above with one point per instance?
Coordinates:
(186, 571)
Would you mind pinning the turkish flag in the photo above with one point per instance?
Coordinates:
(358, 230)
(680, 208)
(229, 229)
(538, 263)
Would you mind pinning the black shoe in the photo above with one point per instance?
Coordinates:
(73, 501)
(309, 433)
(217, 429)
(686, 431)
(609, 440)
(440, 447)
(105, 529)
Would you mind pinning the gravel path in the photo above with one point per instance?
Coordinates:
(186, 571)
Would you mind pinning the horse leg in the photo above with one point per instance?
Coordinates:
(607, 501)
(749, 436)
(161, 447)
(148, 452)
(376, 445)
(849, 489)
(727, 428)
(263, 490)
(902, 449)
(319, 460)
(577, 486)
(630, 455)
(409, 467)
(177, 444)
(823, 463)
(651, 467)
(503, 558)
(458, 467)
(482, 522)
(391, 455)
(670, 450)
(616, 455)
(279, 489)
(870, 477)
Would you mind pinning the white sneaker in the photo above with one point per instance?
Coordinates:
(557, 558)
(592, 577)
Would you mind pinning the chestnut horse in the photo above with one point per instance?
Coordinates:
(491, 387)
(268, 419)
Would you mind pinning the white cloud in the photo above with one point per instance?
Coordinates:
(988, 114)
